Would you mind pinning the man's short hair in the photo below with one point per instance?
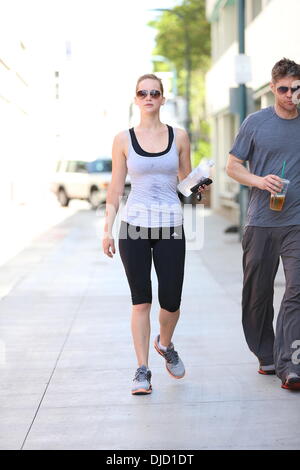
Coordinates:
(285, 68)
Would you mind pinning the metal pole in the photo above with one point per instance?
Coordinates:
(241, 40)
(244, 190)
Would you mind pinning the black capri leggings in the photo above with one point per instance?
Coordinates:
(137, 246)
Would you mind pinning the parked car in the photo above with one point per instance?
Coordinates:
(86, 180)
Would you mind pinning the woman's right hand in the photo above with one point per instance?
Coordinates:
(108, 246)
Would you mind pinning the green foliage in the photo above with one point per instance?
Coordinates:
(184, 31)
(203, 150)
(183, 37)
(160, 66)
(197, 97)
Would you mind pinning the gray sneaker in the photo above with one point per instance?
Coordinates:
(174, 364)
(142, 382)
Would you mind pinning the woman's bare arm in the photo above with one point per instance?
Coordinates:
(184, 149)
(115, 191)
(185, 166)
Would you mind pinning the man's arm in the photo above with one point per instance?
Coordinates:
(235, 169)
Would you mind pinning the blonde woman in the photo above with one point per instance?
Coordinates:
(154, 155)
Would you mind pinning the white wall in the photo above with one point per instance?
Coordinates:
(272, 35)
(218, 81)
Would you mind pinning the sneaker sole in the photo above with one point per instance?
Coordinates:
(291, 385)
(142, 391)
(172, 375)
(266, 372)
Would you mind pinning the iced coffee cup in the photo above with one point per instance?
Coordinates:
(277, 200)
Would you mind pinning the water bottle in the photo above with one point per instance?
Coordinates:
(201, 171)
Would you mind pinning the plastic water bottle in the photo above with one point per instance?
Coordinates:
(201, 171)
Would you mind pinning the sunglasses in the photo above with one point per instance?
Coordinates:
(143, 93)
(284, 89)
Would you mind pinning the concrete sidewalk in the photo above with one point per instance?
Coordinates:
(67, 358)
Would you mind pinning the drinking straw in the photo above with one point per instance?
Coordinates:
(282, 171)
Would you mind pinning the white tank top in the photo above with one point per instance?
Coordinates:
(153, 199)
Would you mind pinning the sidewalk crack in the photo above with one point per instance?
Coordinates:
(54, 368)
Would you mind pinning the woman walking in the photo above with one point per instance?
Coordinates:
(154, 154)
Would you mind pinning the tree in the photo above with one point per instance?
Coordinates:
(172, 29)
(183, 37)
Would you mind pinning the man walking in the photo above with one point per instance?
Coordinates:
(269, 140)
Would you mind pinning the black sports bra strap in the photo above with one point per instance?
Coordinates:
(138, 149)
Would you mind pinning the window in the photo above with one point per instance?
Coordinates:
(71, 166)
(100, 165)
(81, 167)
(74, 166)
(215, 40)
(224, 30)
(256, 8)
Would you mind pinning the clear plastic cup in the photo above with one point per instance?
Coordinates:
(277, 200)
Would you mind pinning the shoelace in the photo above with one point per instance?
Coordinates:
(171, 356)
(141, 374)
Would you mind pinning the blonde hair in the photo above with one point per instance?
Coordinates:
(150, 76)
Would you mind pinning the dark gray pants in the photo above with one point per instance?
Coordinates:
(263, 247)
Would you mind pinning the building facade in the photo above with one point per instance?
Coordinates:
(14, 112)
(27, 130)
(27, 98)
(271, 33)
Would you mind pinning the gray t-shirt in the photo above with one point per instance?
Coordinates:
(266, 140)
